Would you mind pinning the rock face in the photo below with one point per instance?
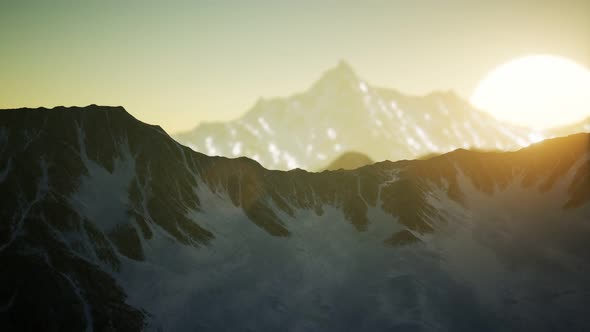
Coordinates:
(341, 112)
(109, 224)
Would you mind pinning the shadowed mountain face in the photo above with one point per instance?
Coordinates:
(108, 223)
(342, 112)
(349, 160)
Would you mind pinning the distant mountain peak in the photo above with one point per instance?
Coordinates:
(343, 112)
(341, 74)
(344, 66)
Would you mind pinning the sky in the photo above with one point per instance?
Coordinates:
(180, 63)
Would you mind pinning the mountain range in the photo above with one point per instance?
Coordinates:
(342, 112)
(108, 223)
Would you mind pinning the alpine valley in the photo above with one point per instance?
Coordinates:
(107, 223)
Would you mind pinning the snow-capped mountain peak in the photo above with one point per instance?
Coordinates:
(342, 112)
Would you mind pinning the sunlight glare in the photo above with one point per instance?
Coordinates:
(539, 91)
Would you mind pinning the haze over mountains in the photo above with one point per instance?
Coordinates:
(341, 112)
(109, 224)
(349, 160)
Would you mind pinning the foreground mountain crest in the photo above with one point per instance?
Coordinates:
(110, 223)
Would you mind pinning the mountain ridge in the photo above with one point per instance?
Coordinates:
(115, 216)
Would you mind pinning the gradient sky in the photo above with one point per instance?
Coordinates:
(177, 63)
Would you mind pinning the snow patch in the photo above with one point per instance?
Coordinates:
(265, 126)
(237, 149)
(323, 256)
(363, 87)
(331, 133)
(102, 197)
(211, 150)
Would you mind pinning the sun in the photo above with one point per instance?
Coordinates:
(537, 91)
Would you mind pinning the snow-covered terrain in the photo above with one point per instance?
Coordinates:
(108, 223)
(341, 112)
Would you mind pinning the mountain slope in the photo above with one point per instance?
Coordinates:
(108, 223)
(342, 112)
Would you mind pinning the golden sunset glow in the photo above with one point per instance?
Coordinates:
(540, 91)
